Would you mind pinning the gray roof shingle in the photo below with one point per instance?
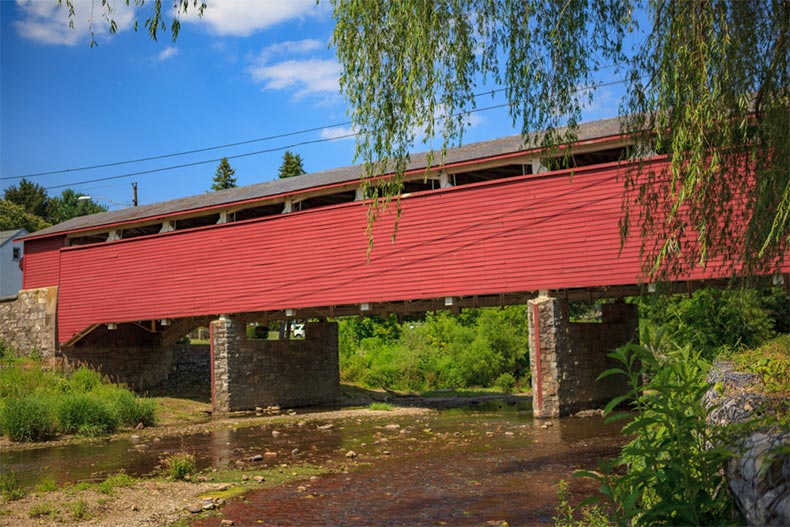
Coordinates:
(295, 185)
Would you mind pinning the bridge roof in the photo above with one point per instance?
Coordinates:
(295, 185)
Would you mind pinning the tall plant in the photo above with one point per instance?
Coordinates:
(670, 473)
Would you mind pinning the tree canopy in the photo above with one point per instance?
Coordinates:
(707, 86)
(29, 206)
(291, 165)
(223, 177)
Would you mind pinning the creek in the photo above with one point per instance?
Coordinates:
(488, 463)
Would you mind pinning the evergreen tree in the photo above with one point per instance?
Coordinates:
(291, 165)
(223, 177)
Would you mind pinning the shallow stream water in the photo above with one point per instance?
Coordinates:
(480, 465)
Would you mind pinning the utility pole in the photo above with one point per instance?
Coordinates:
(134, 190)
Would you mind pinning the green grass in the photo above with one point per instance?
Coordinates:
(44, 509)
(380, 407)
(106, 487)
(771, 361)
(38, 403)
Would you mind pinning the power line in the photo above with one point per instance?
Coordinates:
(228, 145)
(196, 163)
(175, 154)
(303, 143)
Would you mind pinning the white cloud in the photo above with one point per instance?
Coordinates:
(290, 47)
(277, 68)
(166, 53)
(338, 132)
(242, 18)
(305, 77)
(46, 22)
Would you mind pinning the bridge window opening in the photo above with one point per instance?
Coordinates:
(420, 185)
(85, 240)
(134, 232)
(201, 221)
(490, 174)
(277, 330)
(325, 200)
(610, 155)
(259, 212)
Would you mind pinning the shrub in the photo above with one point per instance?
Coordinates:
(506, 382)
(86, 415)
(711, 318)
(180, 465)
(28, 418)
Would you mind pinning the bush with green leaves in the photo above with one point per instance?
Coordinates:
(443, 350)
(714, 318)
(506, 382)
(670, 473)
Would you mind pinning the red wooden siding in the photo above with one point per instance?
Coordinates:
(520, 234)
(42, 262)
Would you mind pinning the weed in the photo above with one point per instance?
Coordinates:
(670, 473)
(79, 510)
(117, 480)
(48, 484)
(43, 510)
(9, 486)
(129, 409)
(380, 406)
(567, 515)
(771, 361)
(180, 465)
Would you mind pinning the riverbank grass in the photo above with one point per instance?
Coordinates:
(38, 403)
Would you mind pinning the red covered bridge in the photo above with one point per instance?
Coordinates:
(490, 226)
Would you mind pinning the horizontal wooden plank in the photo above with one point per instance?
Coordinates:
(505, 236)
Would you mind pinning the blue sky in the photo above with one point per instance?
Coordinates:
(247, 69)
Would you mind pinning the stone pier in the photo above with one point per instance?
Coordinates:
(247, 373)
(566, 358)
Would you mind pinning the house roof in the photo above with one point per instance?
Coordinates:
(295, 185)
(7, 236)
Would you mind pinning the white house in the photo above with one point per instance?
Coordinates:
(10, 258)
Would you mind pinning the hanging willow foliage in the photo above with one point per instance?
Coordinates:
(708, 88)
